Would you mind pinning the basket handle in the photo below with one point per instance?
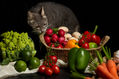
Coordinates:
(104, 40)
(42, 39)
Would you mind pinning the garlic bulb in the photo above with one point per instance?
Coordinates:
(116, 56)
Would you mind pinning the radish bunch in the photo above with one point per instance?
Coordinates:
(55, 37)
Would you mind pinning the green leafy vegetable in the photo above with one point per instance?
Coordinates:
(12, 43)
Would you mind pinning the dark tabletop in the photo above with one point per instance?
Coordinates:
(64, 74)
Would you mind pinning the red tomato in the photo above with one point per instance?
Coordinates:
(98, 40)
(88, 37)
(56, 69)
(45, 63)
(93, 38)
(48, 71)
(85, 45)
(42, 69)
(81, 41)
(86, 32)
(53, 58)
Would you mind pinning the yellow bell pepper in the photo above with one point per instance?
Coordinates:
(71, 44)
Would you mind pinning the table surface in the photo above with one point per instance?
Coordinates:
(64, 74)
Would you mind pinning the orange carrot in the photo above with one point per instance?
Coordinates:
(112, 68)
(111, 65)
(105, 74)
(104, 65)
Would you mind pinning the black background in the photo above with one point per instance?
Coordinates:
(13, 16)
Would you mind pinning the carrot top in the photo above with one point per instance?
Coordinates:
(99, 57)
(107, 52)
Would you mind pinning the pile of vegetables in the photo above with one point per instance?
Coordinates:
(49, 66)
(89, 39)
(12, 44)
(55, 38)
(105, 70)
(61, 38)
(78, 60)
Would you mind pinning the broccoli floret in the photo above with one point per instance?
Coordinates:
(14, 42)
(11, 45)
(6, 41)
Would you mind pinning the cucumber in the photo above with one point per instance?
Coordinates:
(72, 58)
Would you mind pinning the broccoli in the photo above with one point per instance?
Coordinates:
(13, 42)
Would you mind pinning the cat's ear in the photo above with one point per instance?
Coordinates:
(42, 12)
(30, 14)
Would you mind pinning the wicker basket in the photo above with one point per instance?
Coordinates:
(62, 53)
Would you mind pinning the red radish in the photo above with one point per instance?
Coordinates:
(51, 44)
(64, 43)
(49, 31)
(59, 46)
(61, 32)
(61, 40)
(47, 39)
(54, 38)
(85, 45)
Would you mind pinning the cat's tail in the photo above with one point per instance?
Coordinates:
(77, 28)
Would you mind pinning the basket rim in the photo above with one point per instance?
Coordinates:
(104, 40)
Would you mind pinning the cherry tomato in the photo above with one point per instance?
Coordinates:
(45, 63)
(81, 41)
(56, 69)
(53, 58)
(85, 45)
(42, 69)
(98, 40)
(93, 38)
(48, 71)
(86, 32)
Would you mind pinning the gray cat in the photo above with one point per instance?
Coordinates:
(50, 14)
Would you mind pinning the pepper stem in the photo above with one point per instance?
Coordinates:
(96, 27)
